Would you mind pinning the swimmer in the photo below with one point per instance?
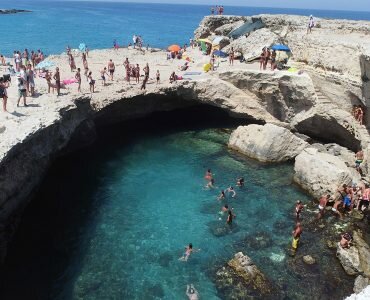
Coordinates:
(232, 191)
(188, 250)
(191, 292)
(322, 203)
(225, 208)
(222, 196)
(230, 217)
(210, 184)
(298, 209)
(208, 175)
(240, 182)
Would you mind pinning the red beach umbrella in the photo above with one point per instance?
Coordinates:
(174, 48)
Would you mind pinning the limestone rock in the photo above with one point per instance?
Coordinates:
(350, 259)
(321, 173)
(227, 28)
(241, 279)
(364, 253)
(268, 143)
(210, 23)
(308, 259)
(361, 282)
(282, 94)
(363, 295)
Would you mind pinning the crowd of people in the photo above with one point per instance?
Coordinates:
(267, 56)
(345, 200)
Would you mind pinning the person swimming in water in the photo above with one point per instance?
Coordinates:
(232, 191)
(230, 217)
(240, 182)
(208, 175)
(222, 195)
(191, 292)
(188, 250)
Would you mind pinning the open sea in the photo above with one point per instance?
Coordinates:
(53, 25)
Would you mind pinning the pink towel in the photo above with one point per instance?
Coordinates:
(69, 81)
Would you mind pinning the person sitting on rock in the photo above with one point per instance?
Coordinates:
(346, 240)
(335, 208)
(360, 114)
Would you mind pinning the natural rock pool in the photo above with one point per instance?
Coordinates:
(111, 220)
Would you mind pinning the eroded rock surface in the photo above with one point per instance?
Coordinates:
(268, 143)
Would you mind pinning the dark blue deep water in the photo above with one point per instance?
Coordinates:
(54, 24)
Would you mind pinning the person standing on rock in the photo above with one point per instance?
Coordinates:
(231, 56)
(322, 204)
(296, 236)
(298, 210)
(78, 78)
(359, 160)
(146, 77)
(111, 69)
(57, 80)
(335, 208)
(22, 90)
(3, 92)
(311, 25)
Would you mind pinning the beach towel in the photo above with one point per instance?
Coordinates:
(192, 73)
(69, 81)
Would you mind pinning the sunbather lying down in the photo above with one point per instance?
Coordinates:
(184, 67)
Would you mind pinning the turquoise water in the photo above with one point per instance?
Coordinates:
(55, 24)
(111, 221)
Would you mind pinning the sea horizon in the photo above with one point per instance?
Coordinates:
(98, 23)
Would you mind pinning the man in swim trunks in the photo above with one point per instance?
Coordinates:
(57, 80)
(359, 160)
(335, 208)
(111, 69)
(345, 240)
(102, 74)
(298, 209)
(296, 236)
(322, 204)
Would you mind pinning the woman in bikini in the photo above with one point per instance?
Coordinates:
(231, 57)
(262, 58)
(78, 78)
(91, 83)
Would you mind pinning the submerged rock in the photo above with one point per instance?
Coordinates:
(268, 143)
(308, 259)
(241, 279)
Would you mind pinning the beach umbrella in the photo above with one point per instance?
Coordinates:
(45, 64)
(279, 47)
(174, 48)
(82, 47)
(220, 53)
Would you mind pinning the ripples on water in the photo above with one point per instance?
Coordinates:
(111, 221)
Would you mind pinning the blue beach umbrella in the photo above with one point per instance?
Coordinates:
(82, 47)
(279, 47)
(45, 64)
(220, 53)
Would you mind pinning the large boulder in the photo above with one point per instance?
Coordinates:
(251, 46)
(329, 124)
(268, 143)
(364, 253)
(320, 172)
(210, 23)
(350, 259)
(283, 94)
(240, 278)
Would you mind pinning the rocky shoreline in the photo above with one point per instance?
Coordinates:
(12, 11)
(292, 111)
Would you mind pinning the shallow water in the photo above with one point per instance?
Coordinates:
(111, 221)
